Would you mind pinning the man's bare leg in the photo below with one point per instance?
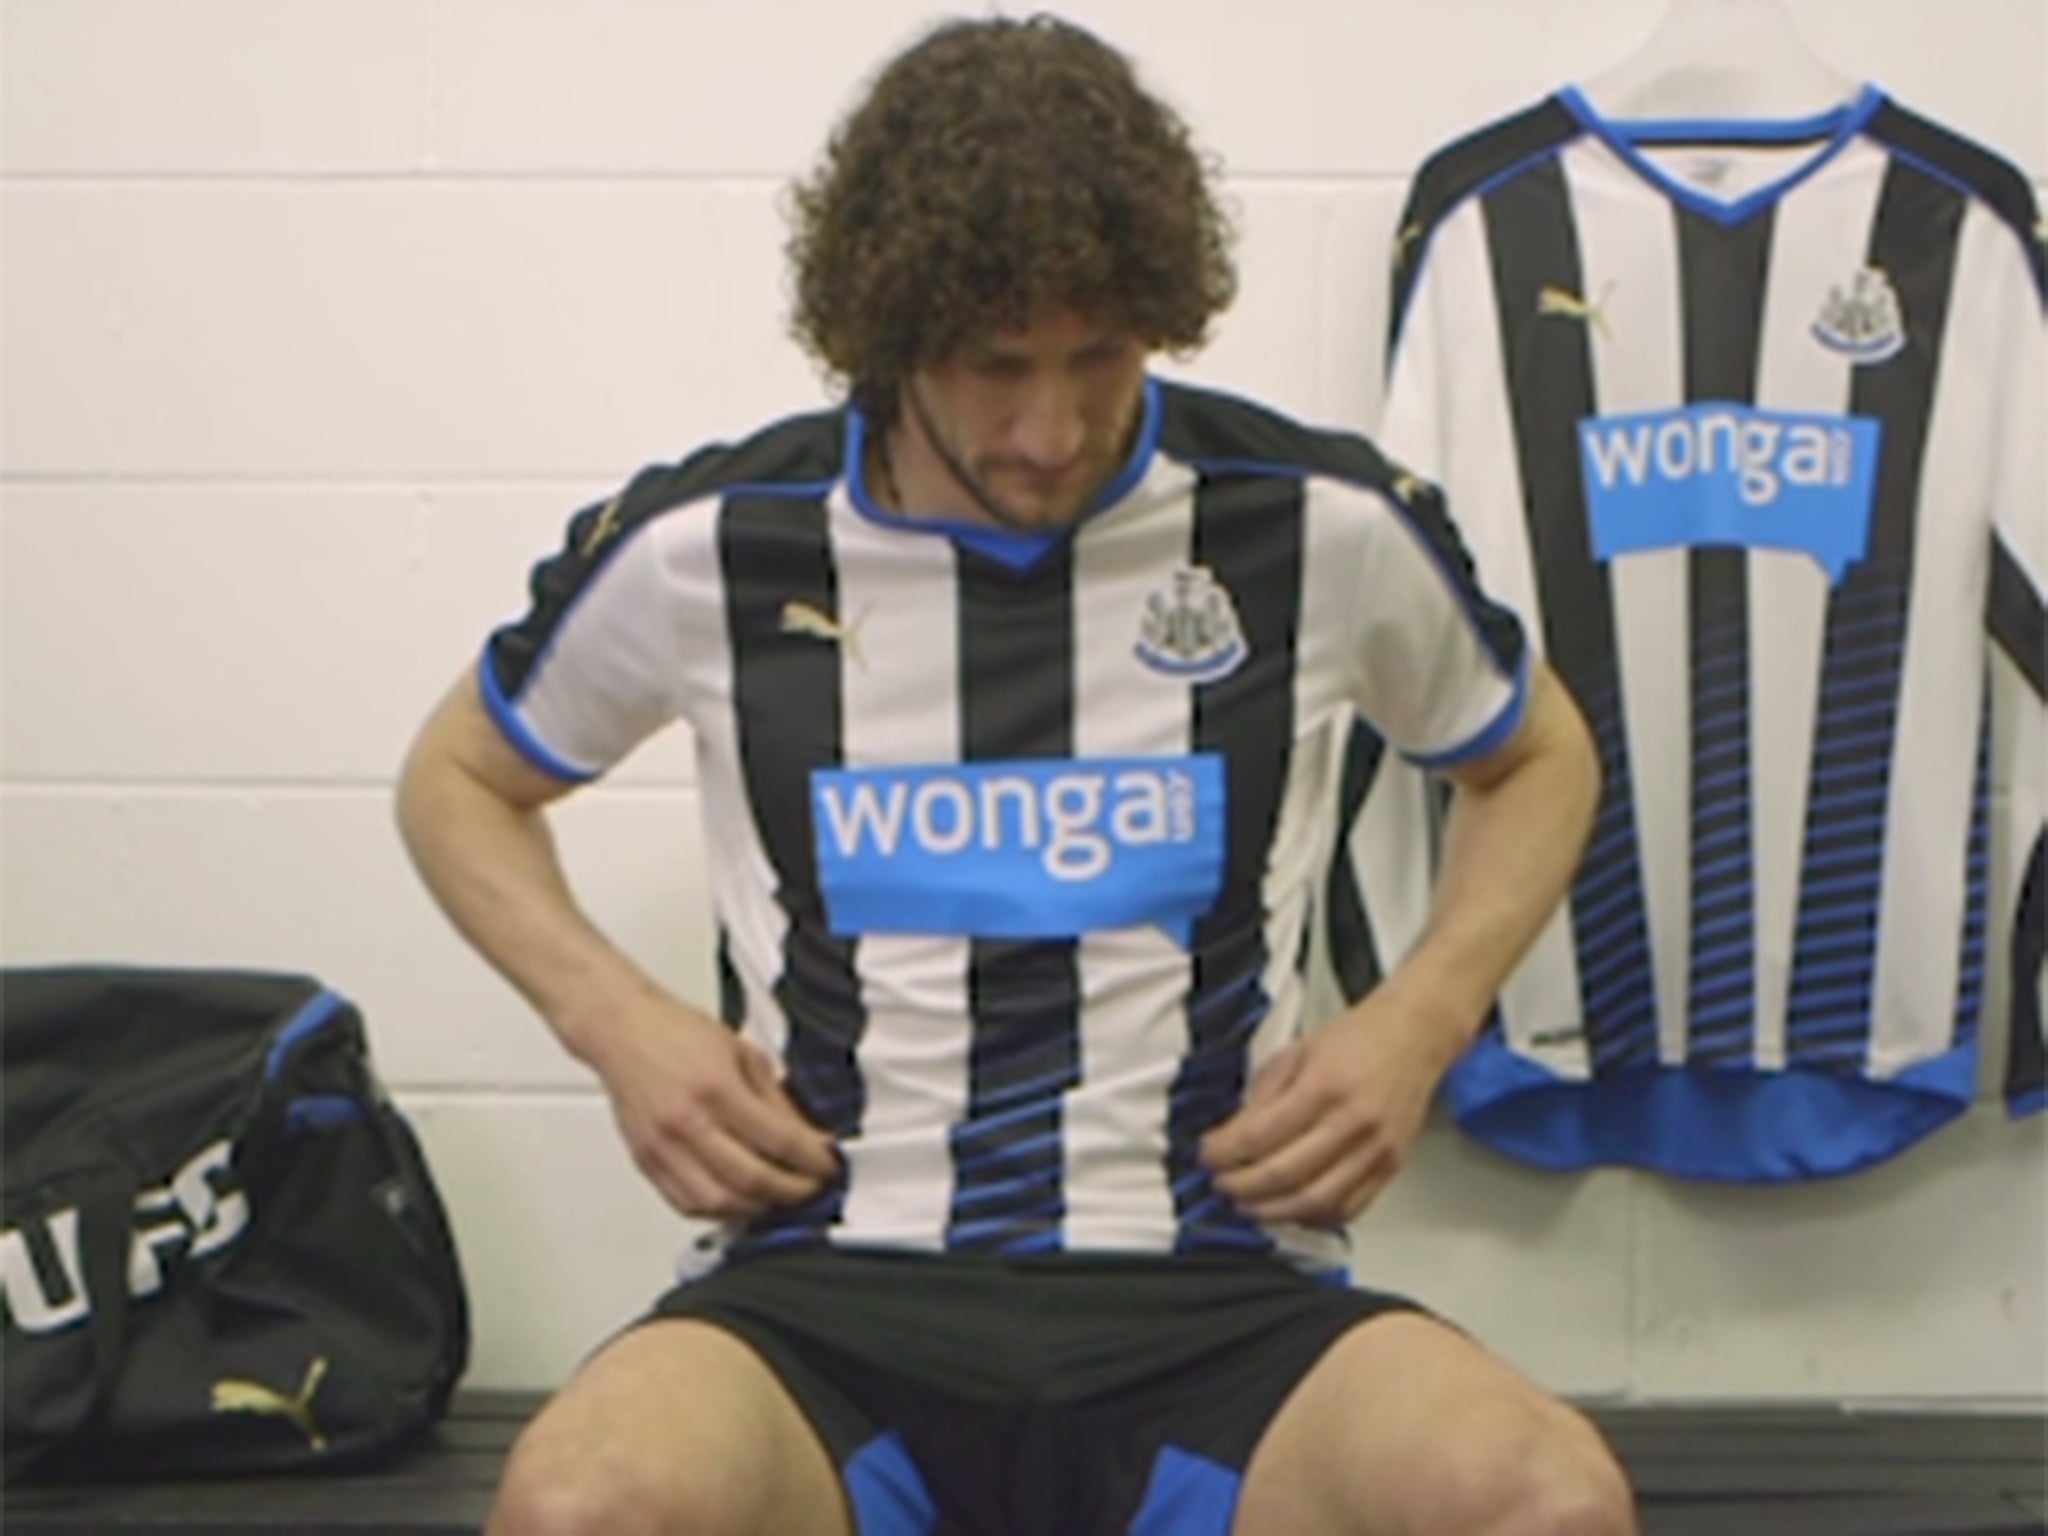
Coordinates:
(1407, 1428)
(675, 1427)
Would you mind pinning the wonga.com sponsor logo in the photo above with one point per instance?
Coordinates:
(1725, 474)
(1029, 849)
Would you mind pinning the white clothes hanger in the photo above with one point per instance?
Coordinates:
(1720, 60)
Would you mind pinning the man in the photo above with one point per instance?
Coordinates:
(1018, 686)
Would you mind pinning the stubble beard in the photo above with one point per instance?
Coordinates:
(1000, 511)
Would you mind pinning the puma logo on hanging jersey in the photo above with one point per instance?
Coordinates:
(1570, 306)
(237, 1396)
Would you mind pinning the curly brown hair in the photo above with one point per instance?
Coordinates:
(997, 166)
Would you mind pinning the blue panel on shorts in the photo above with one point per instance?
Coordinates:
(1190, 1496)
(887, 1491)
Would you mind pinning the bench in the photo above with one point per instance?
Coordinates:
(1766, 1471)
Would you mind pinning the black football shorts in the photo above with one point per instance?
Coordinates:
(1063, 1395)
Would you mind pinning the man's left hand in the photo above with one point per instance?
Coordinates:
(1329, 1121)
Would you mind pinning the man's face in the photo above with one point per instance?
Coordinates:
(1032, 423)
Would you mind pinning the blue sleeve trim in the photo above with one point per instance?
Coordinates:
(2022, 1105)
(1491, 739)
(516, 731)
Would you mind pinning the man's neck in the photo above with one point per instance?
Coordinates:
(914, 478)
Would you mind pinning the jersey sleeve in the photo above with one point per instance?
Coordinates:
(1412, 412)
(1378, 893)
(1442, 669)
(1439, 557)
(2018, 620)
(591, 669)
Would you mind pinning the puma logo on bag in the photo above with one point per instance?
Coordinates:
(236, 1396)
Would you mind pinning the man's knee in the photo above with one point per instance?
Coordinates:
(1556, 1478)
(676, 1427)
(555, 1488)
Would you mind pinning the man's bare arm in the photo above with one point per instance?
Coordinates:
(471, 812)
(702, 1111)
(1518, 826)
(1331, 1119)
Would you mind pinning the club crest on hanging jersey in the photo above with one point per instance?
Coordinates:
(1863, 320)
(1189, 628)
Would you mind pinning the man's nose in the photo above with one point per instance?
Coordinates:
(1050, 429)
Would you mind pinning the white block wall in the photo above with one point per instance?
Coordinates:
(317, 318)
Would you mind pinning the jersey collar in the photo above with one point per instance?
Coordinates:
(1836, 128)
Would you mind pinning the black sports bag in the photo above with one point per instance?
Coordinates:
(223, 1251)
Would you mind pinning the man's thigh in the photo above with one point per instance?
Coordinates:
(1406, 1425)
(676, 1425)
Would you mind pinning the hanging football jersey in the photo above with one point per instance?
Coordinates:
(1746, 419)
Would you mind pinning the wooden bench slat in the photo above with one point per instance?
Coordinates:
(1722, 1471)
(1841, 1517)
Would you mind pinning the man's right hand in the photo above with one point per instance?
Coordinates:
(702, 1110)
(706, 1117)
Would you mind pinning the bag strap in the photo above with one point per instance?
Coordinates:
(105, 1193)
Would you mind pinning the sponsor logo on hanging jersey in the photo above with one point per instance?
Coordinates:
(1862, 320)
(1732, 476)
(1189, 628)
(1035, 849)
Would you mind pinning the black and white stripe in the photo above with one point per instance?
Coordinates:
(1829, 1011)
(1248, 531)
(1722, 273)
(1532, 238)
(789, 723)
(1017, 662)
